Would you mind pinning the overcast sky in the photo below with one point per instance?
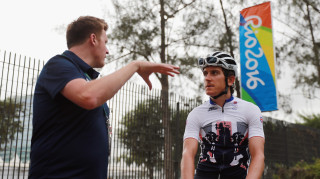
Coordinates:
(29, 28)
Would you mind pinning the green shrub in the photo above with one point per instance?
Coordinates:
(302, 170)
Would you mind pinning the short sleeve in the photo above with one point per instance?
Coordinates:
(57, 73)
(255, 122)
(192, 126)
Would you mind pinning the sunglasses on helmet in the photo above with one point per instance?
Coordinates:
(208, 61)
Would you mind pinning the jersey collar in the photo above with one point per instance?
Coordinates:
(228, 100)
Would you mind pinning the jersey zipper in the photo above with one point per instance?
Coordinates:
(224, 131)
(223, 107)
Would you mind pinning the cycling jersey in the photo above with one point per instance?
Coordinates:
(223, 133)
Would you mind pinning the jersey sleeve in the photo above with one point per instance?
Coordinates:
(192, 126)
(57, 73)
(255, 121)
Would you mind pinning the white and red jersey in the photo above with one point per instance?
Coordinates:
(223, 132)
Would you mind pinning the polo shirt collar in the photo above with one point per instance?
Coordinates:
(83, 65)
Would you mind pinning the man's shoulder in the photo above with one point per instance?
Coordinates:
(245, 106)
(58, 64)
(58, 67)
(200, 108)
(205, 104)
(59, 59)
(244, 102)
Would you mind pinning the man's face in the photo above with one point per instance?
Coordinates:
(101, 50)
(214, 80)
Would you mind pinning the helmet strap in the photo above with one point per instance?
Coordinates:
(225, 90)
(222, 93)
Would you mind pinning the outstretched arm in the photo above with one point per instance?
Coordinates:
(190, 147)
(90, 95)
(256, 149)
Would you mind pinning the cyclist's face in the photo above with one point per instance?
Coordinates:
(214, 80)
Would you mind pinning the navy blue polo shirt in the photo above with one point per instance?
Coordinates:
(67, 140)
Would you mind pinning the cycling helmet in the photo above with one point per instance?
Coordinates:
(220, 59)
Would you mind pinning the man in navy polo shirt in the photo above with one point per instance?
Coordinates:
(70, 135)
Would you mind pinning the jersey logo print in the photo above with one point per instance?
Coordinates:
(224, 143)
(213, 108)
(234, 105)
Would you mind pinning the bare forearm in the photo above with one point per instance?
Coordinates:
(187, 167)
(96, 92)
(106, 87)
(256, 168)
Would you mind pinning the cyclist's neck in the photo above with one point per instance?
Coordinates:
(222, 99)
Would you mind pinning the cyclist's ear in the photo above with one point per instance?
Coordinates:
(231, 80)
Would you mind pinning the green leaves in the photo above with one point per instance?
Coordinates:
(311, 120)
(10, 124)
(301, 169)
(142, 134)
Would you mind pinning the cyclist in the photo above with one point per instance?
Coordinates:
(229, 129)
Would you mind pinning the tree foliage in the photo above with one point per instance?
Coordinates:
(9, 121)
(301, 169)
(191, 29)
(302, 48)
(143, 135)
(312, 120)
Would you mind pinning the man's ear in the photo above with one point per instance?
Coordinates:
(93, 39)
(231, 80)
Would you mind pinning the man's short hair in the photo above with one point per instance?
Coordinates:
(81, 29)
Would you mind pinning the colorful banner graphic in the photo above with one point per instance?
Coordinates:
(258, 78)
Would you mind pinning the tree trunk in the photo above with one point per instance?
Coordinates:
(150, 173)
(165, 100)
(229, 35)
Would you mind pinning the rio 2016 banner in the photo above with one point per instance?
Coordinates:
(258, 79)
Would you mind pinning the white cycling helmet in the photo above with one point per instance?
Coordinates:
(221, 59)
